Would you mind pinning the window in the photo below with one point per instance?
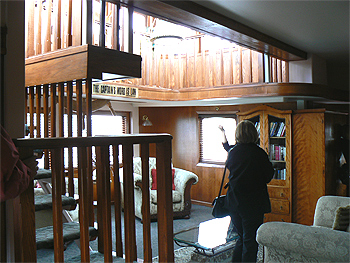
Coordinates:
(103, 123)
(211, 150)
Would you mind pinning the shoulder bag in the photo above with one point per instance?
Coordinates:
(219, 203)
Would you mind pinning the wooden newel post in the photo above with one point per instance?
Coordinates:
(165, 204)
(24, 220)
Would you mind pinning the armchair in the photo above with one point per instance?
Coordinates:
(183, 181)
(290, 242)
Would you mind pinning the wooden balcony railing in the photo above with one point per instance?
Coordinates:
(25, 234)
(55, 25)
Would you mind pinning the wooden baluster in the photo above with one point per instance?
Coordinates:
(31, 111)
(30, 6)
(61, 125)
(88, 92)
(129, 206)
(286, 71)
(131, 27)
(70, 134)
(57, 175)
(146, 217)
(89, 25)
(250, 66)
(38, 46)
(115, 27)
(164, 206)
(77, 23)
(38, 111)
(79, 97)
(240, 65)
(58, 38)
(104, 199)
(117, 202)
(70, 21)
(53, 109)
(261, 68)
(47, 43)
(46, 121)
(102, 42)
(83, 204)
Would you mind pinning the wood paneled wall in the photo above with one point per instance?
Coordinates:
(182, 124)
(209, 68)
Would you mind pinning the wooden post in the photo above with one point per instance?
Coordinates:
(104, 200)
(57, 175)
(129, 206)
(83, 204)
(165, 207)
(117, 202)
(146, 218)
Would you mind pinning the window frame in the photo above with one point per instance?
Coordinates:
(201, 116)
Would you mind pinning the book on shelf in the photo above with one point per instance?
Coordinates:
(277, 152)
(277, 128)
(280, 129)
(257, 126)
(280, 174)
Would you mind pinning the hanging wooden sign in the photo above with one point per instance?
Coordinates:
(114, 90)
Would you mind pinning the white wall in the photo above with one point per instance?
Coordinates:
(313, 70)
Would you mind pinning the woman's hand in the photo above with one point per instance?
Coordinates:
(224, 139)
(32, 164)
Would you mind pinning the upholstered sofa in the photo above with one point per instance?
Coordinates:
(290, 242)
(183, 181)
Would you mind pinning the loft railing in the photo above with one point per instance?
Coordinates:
(58, 24)
(25, 228)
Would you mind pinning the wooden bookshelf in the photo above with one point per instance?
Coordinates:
(274, 127)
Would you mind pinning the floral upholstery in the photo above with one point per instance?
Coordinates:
(181, 180)
(290, 242)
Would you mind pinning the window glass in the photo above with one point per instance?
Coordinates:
(211, 138)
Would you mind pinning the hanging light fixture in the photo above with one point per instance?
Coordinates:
(146, 121)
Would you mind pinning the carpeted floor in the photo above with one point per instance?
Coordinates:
(182, 255)
(198, 214)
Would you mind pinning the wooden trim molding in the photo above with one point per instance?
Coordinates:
(292, 90)
(81, 62)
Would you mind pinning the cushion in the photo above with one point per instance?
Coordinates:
(154, 179)
(341, 220)
(177, 197)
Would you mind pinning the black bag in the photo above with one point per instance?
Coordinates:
(219, 204)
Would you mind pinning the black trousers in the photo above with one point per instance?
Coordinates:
(246, 224)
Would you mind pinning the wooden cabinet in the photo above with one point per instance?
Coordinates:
(274, 127)
(316, 155)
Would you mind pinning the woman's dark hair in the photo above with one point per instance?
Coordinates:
(246, 132)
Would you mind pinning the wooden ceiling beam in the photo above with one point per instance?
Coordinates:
(204, 20)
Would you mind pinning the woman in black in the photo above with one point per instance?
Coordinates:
(248, 199)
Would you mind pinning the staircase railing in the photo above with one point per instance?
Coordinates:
(25, 220)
